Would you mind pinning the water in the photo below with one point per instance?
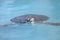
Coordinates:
(13, 8)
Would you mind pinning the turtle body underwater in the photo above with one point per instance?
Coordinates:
(24, 19)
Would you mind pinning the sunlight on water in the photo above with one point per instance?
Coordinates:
(13, 8)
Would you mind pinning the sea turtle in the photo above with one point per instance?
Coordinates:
(24, 19)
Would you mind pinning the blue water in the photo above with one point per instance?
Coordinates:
(13, 8)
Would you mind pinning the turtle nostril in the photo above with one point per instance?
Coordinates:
(12, 20)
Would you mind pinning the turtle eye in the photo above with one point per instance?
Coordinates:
(28, 20)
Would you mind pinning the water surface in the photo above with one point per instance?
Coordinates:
(13, 8)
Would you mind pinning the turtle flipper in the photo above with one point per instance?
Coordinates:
(5, 25)
(52, 23)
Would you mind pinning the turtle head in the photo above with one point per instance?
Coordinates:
(18, 20)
